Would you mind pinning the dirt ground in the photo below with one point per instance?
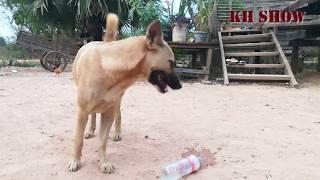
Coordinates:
(253, 131)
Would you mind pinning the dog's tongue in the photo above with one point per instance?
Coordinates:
(162, 84)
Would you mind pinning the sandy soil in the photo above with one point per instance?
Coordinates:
(254, 131)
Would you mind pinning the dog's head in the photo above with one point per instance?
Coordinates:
(160, 60)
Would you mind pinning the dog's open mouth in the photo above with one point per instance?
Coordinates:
(159, 78)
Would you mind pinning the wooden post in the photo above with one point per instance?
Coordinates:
(318, 64)
(203, 57)
(283, 59)
(257, 61)
(208, 64)
(255, 9)
(223, 60)
(275, 29)
(295, 58)
(215, 22)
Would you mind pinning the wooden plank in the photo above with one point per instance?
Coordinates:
(257, 60)
(262, 77)
(198, 45)
(251, 54)
(247, 38)
(223, 59)
(283, 60)
(241, 31)
(208, 64)
(260, 45)
(292, 26)
(305, 42)
(295, 59)
(256, 65)
(191, 71)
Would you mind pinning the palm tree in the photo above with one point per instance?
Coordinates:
(86, 15)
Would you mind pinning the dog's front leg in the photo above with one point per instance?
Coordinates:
(90, 133)
(117, 132)
(107, 119)
(82, 118)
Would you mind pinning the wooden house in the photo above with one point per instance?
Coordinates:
(266, 48)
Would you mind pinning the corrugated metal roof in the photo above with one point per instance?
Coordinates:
(299, 4)
(271, 4)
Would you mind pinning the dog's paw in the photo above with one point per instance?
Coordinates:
(89, 135)
(106, 167)
(117, 137)
(74, 165)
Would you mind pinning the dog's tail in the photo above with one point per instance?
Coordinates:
(112, 27)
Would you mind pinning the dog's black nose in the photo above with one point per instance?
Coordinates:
(177, 86)
(174, 82)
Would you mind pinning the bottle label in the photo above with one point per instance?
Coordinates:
(192, 164)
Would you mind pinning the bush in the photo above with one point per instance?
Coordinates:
(13, 51)
(2, 42)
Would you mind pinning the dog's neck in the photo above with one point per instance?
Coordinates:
(131, 65)
(124, 55)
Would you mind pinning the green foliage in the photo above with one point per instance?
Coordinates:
(13, 51)
(180, 53)
(205, 8)
(43, 16)
(2, 42)
(133, 32)
(62, 16)
(183, 7)
(25, 64)
(67, 16)
(88, 8)
(146, 11)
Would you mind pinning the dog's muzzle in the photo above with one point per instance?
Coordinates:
(161, 79)
(173, 81)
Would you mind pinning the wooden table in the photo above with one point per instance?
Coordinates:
(208, 46)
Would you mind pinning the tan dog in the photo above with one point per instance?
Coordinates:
(109, 36)
(104, 70)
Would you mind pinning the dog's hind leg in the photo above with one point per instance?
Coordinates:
(90, 133)
(107, 119)
(82, 118)
(117, 132)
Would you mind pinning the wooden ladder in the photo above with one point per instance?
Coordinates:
(239, 44)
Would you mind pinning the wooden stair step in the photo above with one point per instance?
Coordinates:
(224, 10)
(266, 77)
(246, 38)
(191, 71)
(256, 65)
(250, 54)
(260, 45)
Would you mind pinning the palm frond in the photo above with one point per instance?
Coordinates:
(40, 4)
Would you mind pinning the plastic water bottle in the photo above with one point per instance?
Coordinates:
(180, 168)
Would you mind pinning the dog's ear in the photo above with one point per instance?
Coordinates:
(154, 35)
